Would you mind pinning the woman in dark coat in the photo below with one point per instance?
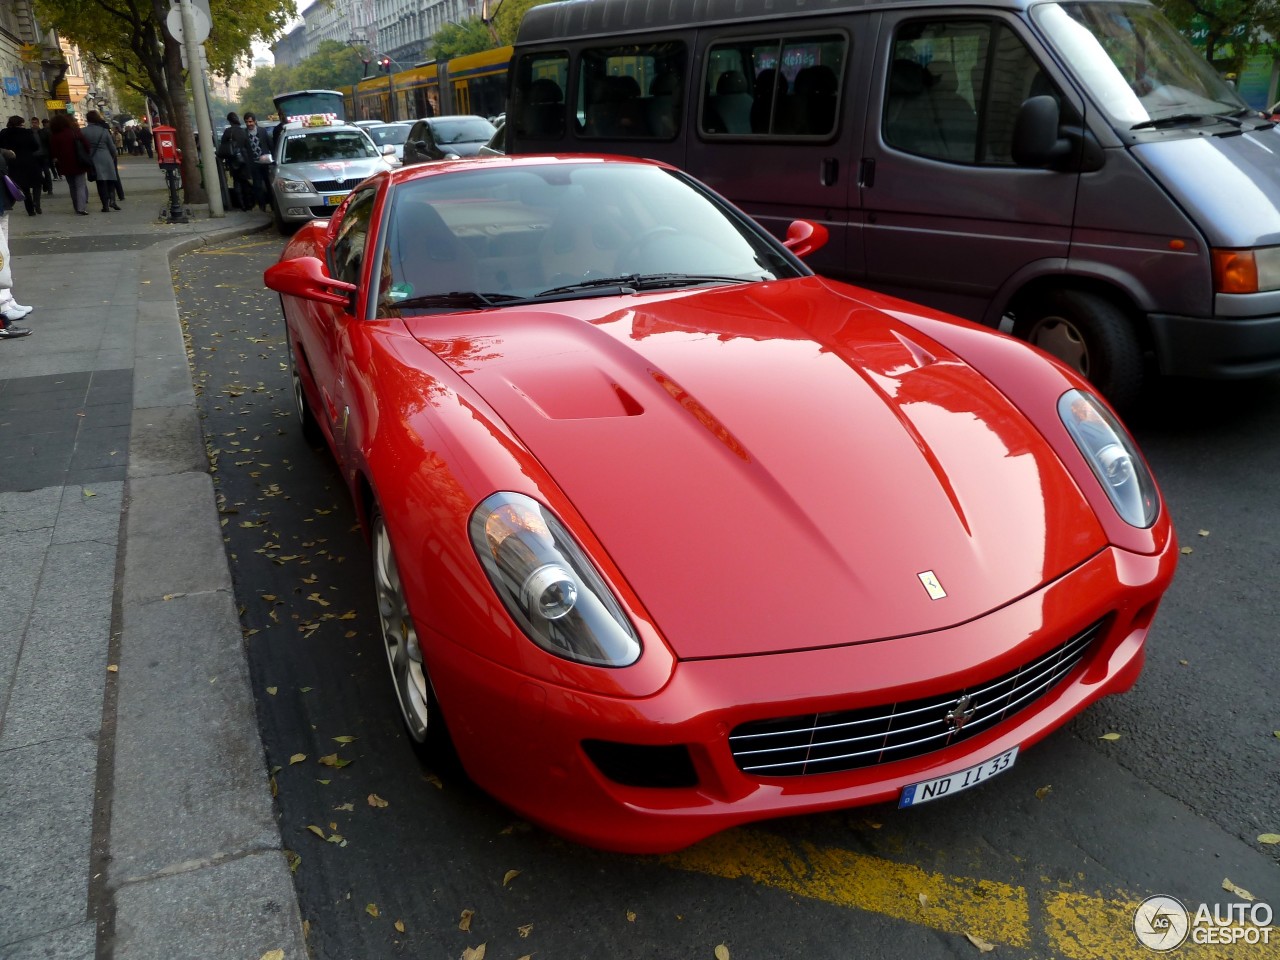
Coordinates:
(27, 162)
(63, 136)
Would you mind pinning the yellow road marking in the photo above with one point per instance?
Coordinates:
(994, 911)
(1071, 924)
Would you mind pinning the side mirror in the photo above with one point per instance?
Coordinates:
(805, 237)
(388, 150)
(305, 277)
(1035, 134)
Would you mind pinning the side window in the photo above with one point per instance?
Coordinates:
(774, 86)
(537, 104)
(631, 92)
(955, 87)
(347, 252)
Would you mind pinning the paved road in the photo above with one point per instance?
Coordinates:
(1048, 861)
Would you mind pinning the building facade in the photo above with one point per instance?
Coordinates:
(399, 29)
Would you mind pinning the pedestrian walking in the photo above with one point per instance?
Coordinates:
(102, 153)
(10, 309)
(233, 150)
(260, 163)
(71, 153)
(131, 141)
(24, 168)
(145, 135)
(48, 172)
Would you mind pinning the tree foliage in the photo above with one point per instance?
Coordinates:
(459, 39)
(1231, 30)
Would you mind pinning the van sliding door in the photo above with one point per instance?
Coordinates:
(949, 217)
(775, 125)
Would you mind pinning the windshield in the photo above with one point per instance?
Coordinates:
(308, 147)
(461, 130)
(1135, 65)
(561, 231)
(389, 133)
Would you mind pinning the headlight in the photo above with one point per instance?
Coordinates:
(547, 583)
(1246, 271)
(293, 186)
(1112, 455)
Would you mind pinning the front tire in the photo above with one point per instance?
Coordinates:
(419, 708)
(1090, 334)
(311, 431)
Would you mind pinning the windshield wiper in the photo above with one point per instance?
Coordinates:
(634, 282)
(458, 298)
(1178, 118)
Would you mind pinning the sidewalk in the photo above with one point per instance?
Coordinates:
(135, 815)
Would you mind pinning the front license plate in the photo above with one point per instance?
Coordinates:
(918, 793)
(335, 200)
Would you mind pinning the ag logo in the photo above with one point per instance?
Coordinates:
(1161, 923)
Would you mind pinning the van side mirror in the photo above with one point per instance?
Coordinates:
(805, 237)
(1035, 134)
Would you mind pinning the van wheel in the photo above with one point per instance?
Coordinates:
(1090, 334)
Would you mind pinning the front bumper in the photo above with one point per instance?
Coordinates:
(522, 740)
(301, 207)
(1219, 348)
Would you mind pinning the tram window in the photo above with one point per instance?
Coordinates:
(631, 92)
(780, 87)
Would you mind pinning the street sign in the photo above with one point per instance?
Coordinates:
(200, 18)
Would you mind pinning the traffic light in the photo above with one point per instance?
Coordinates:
(384, 64)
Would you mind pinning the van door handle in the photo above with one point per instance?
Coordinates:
(829, 171)
(867, 172)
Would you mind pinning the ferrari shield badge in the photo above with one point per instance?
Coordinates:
(931, 584)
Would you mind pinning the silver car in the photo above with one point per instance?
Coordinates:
(315, 167)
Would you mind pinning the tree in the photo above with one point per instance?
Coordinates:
(129, 38)
(509, 15)
(333, 65)
(1231, 30)
(459, 39)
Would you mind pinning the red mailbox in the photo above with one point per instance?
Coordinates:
(167, 152)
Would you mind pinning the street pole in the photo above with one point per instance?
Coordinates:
(204, 123)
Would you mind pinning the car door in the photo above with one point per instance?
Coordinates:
(779, 120)
(330, 338)
(949, 216)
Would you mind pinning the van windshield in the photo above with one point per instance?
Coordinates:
(1137, 68)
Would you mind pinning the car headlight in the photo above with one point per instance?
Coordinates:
(1112, 455)
(293, 186)
(547, 583)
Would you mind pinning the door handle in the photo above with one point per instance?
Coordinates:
(867, 172)
(829, 171)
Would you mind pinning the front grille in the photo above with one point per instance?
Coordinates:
(849, 739)
(333, 186)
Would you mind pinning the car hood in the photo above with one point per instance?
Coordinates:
(1229, 186)
(346, 172)
(778, 465)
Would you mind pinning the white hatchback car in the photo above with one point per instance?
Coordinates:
(317, 165)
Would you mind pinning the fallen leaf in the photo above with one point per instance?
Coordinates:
(432, 779)
(1110, 736)
(272, 955)
(89, 493)
(525, 930)
(1240, 892)
(297, 758)
(509, 876)
(981, 944)
(333, 760)
(924, 900)
(376, 801)
(473, 954)
(399, 925)
(1185, 550)
(316, 830)
(272, 690)
(1204, 533)
(1044, 791)
(344, 739)
(631, 916)
(346, 807)
(113, 668)
(1269, 838)
(294, 860)
(722, 952)
(464, 922)
(372, 910)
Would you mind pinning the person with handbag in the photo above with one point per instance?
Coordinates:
(71, 152)
(10, 309)
(25, 166)
(233, 151)
(102, 152)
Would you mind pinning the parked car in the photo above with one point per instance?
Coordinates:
(670, 534)
(316, 166)
(394, 134)
(446, 138)
(497, 145)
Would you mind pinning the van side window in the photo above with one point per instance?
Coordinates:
(779, 87)
(537, 102)
(631, 92)
(955, 87)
